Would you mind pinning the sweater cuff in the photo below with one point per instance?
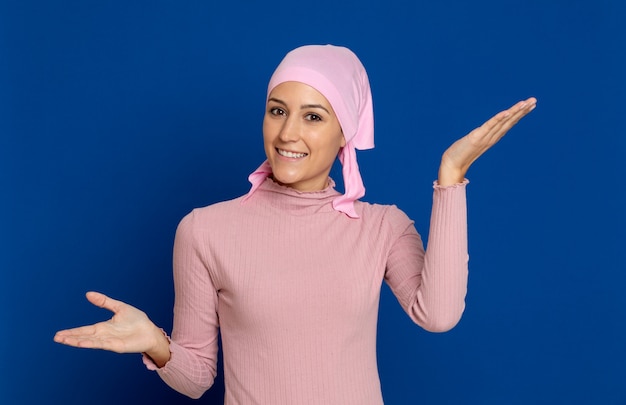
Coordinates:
(149, 363)
(436, 185)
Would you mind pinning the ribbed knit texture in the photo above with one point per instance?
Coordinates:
(293, 286)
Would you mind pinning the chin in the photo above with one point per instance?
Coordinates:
(284, 180)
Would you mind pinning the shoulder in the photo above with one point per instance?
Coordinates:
(211, 215)
(387, 216)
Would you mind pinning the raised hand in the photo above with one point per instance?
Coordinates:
(128, 331)
(460, 155)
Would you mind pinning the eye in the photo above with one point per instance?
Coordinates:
(277, 111)
(313, 117)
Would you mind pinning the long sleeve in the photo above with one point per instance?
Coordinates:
(431, 285)
(192, 367)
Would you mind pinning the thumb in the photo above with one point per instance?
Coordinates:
(102, 301)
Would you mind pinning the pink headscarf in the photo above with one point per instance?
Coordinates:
(338, 75)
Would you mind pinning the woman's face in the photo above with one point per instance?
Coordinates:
(302, 136)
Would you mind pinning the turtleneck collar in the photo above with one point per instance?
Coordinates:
(294, 202)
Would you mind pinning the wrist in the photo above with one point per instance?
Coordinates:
(448, 176)
(160, 350)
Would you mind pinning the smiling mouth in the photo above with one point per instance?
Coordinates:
(289, 154)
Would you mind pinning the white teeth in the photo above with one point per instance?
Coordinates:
(288, 154)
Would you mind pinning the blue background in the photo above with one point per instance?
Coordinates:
(117, 118)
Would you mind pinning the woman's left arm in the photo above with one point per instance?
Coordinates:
(459, 157)
(431, 285)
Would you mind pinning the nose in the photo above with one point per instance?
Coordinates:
(290, 130)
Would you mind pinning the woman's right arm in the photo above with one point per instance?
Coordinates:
(192, 367)
(187, 363)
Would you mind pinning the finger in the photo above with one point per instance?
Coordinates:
(88, 330)
(72, 339)
(90, 342)
(500, 123)
(102, 301)
(520, 109)
(96, 336)
(516, 113)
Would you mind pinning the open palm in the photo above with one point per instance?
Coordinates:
(128, 331)
(460, 155)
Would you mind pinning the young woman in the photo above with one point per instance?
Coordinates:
(290, 274)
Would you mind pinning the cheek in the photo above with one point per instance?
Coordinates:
(332, 139)
(267, 131)
(332, 145)
(267, 141)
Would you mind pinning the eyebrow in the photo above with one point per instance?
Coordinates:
(304, 106)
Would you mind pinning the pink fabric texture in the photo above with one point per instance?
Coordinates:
(297, 314)
(338, 75)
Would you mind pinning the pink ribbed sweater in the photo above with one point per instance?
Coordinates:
(293, 287)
